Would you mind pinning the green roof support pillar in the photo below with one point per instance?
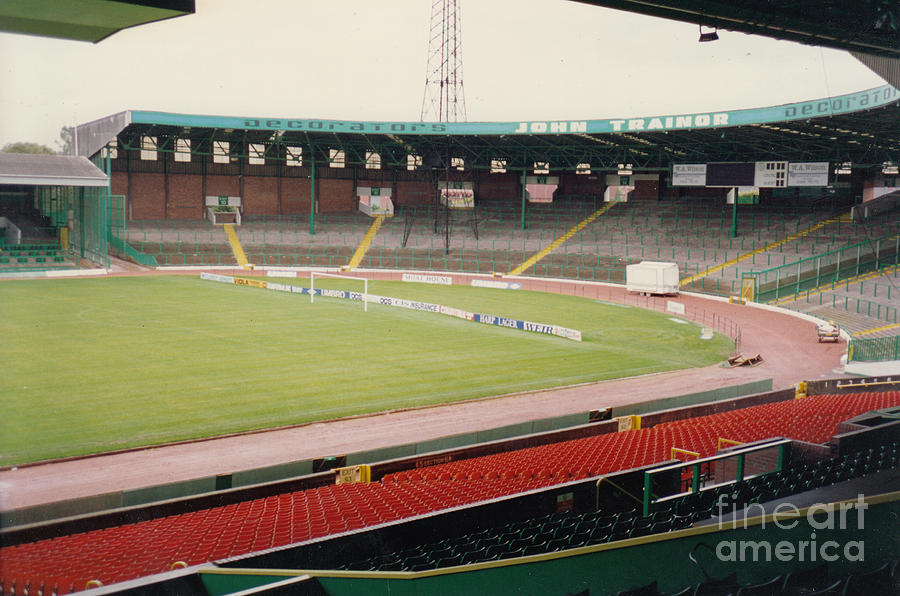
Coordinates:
(647, 487)
(81, 218)
(734, 215)
(107, 231)
(524, 193)
(695, 480)
(312, 192)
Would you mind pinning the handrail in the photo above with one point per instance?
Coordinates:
(695, 481)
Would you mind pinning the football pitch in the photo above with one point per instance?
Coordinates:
(93, 365)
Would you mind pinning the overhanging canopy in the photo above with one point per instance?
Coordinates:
(866, 26)
(862, 128)
(85, 20)
(49, 170)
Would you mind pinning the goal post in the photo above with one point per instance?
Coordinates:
(320, 274)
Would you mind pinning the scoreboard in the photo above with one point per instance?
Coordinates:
(761, 174)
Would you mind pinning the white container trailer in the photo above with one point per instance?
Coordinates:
(652, 277)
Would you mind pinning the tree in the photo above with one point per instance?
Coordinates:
(24, 147)
(66, 140)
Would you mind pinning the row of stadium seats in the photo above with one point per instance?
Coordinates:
(562, 531)
(807, 419)
(32, 250)
(621, 230)
(139, 549)
(29, 255)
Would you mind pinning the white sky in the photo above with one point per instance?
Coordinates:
(363, 60)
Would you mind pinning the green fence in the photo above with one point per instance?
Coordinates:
(83, 211)
(117, 230)
(875, 349)
(830, 267)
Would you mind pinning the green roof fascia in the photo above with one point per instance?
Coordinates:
(830, 106)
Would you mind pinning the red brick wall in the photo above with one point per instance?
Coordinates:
(498, 186)
(295, 195)
(335, 195)
(693, 191)
(185, 196)
(223, 185)
(646, 190)
(260, 196)
(119, 183)
(582, 184)
(148, 196)
(414, 193)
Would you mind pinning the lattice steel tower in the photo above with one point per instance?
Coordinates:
(444, 99)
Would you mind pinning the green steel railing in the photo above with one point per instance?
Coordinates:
(696, 466)
(874, 349)
(791, 279)
(132, 253)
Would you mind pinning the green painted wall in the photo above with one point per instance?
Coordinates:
(692, 399)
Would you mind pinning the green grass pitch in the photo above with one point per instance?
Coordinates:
(92, 365)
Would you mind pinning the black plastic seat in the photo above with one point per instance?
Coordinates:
(725, 586)
(579, 539)
(810, 579)
(771, 587)
(647, 590)
(640, 531)
(682, 592)
(416, 563)
(832, 589)
(557, 544)
(439, 553)
(877, 581)
(599, 536)
(534, 549)
(476, 556)
(451, 561)
(619, 534)
(394, 565)
(494, 551)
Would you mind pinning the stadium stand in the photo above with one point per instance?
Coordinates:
(133, 550)
(693, 234)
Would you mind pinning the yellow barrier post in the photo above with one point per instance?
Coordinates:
(722, 441)
(676, 450)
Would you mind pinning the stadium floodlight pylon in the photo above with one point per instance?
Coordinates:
(444, 99)
(312, 286)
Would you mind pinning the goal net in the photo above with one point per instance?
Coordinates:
(314, 275)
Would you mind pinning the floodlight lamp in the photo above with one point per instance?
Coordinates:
(708, 35)
(890, 168)
(625, 169)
